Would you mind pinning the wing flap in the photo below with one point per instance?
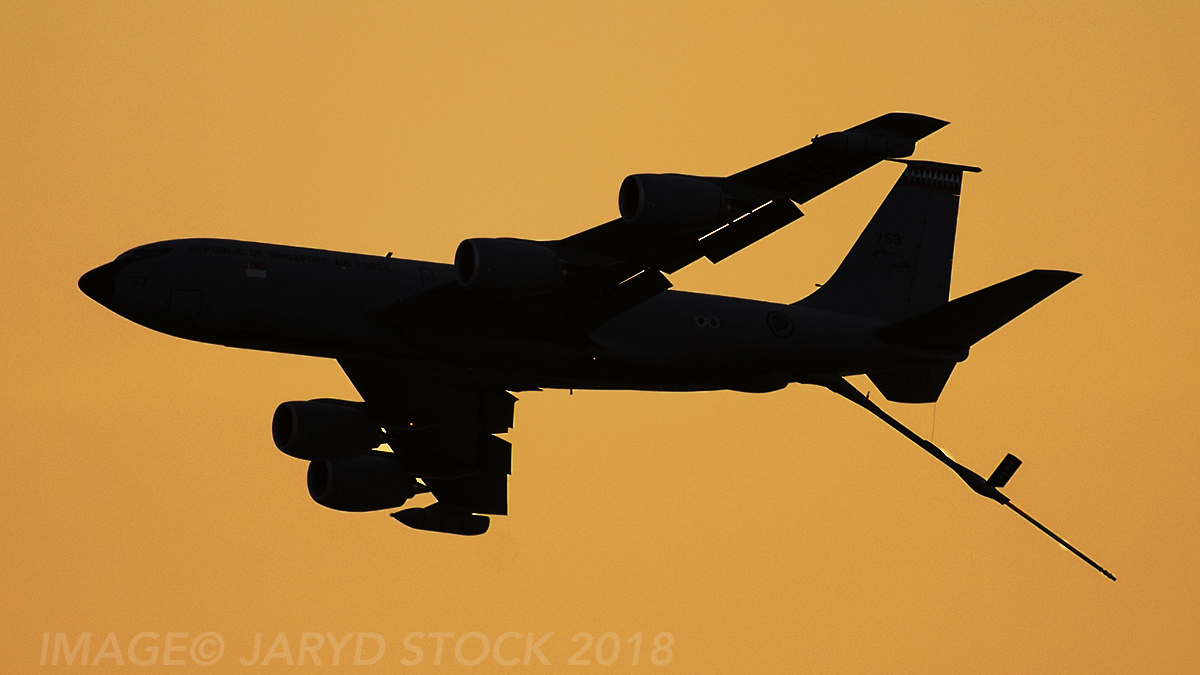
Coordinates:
(443, 432)
(745, 231)
(625, 296)
(485, 492)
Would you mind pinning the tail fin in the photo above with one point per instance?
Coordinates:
(900, 265)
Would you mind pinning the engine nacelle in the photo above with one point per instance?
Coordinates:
(508, 268)
(324, 429)
(859, 143)
(672, 202)
(367, 483)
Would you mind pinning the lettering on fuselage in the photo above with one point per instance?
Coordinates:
(344, 263)
(227, 250)
(368, 265)
(301, 257)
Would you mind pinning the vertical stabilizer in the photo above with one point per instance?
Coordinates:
(900, 265)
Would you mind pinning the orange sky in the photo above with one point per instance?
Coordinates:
(784, 532)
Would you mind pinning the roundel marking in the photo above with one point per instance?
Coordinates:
(780, 324)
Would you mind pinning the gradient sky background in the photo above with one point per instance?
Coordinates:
(788, 531)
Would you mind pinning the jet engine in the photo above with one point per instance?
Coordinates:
(324, 429)
(672, 202)
(508, 268)
(367, 483)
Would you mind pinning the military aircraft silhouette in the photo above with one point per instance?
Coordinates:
(436, 350)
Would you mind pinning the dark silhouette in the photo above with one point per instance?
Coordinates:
(436, 349)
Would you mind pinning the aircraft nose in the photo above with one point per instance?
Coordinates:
(100, 283)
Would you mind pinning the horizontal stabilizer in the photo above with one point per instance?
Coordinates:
(964, 321)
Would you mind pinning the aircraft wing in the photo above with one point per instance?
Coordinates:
(764, 195)
(613, 267)
(452, 425)
(445, 430)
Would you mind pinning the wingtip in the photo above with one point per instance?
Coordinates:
(913, 125)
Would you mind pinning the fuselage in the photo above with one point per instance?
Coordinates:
(320, 303)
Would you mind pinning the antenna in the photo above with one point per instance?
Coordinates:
(988, 488)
